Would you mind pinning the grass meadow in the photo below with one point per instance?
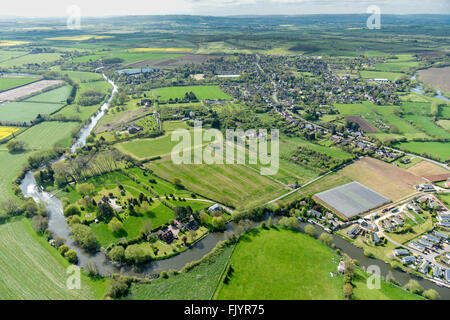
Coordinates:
(31, 269)
(201, 92)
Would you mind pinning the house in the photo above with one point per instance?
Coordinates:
(192, 225)
(433, 239)
(426, 187)
(354, 232)
(400, 252)
(437, 272)
(376, 238)
(409, 260)
(447, 275)
(440, 235)
(214, 207)
(165, 235)
(398, 220)
(133, 129)
(316, 214)
(417, 246)
(424, 267)
(425, 243)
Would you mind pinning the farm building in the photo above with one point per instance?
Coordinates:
(351, 199)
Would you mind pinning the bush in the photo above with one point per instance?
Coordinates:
(414, 286)
(164, 274)
(431, 294)
(63, 249)
(71, 255)
(15, 146)
(115, 225)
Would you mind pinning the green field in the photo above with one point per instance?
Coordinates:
(26, 111)
(30, 59)
(439, 149)
(201, 92)
(47, 134)
(31, 269)
(129, 57)
(58, 95)
(196, 284)
(392, 76)
(233, 184)
(9, 83)
(79, 76)
(281, 264)
(396, 66)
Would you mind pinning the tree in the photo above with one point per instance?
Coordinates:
(39, 223)
(431, 294)
(348, 290)
(72, 210)
(309, 229)
(84, 236)
(118, 288)
(289, 222)
(137, 254)
(105, 211)
(326, 239)
(15, 146)
(177, 182)
(414, 286)
(115, 225)
(117, 253)
(219, 223)
(71, 255)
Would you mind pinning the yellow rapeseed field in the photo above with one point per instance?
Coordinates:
(10, 43)
(7, 131)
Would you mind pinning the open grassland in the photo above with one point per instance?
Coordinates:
(388, 180)
(445, 124)
(26, 111)
(8, 54)
(5, 132)
(201, 92)
(281, 264)
(53, 96)
(30, 59)
(9, 83)
(387, 291)
(196, 284)
(47, 134)
(31, 269)
(396, 66)
(10, 167)
(129, 57)
(234, 184)
(392, 76)
(79, 76)
(436, 148)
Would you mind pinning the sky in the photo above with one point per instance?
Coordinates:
(52, 8)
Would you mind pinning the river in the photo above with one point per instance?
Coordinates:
(58, 225)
